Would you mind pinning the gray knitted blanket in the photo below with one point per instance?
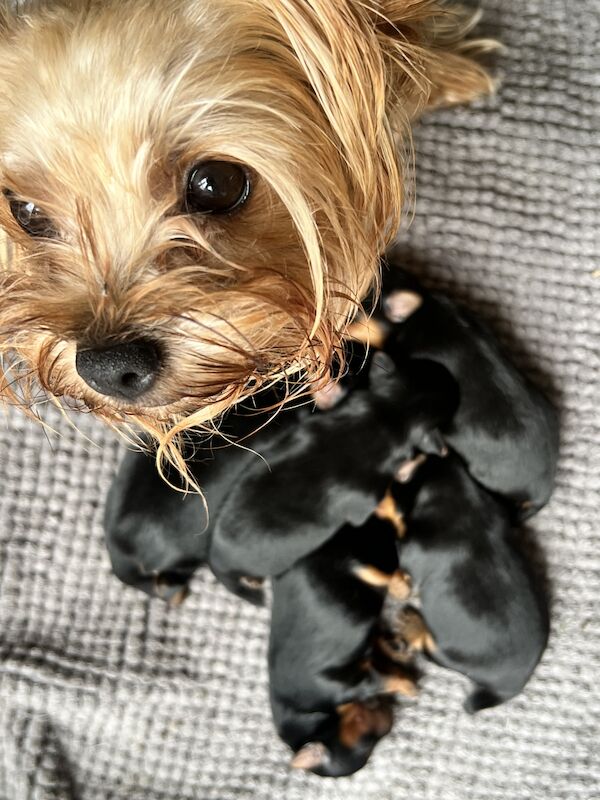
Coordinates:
(105, 695)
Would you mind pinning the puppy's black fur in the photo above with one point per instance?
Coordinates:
(331, 468)
(317, 472)
(155, 535)
(505, 429)
(323, 689)
(478, 597)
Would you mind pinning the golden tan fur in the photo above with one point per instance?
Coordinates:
(105, 104)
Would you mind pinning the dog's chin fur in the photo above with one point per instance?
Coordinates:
(104, 106)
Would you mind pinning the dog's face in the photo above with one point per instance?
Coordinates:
(195, 194)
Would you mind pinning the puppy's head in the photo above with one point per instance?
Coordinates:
(195, 194)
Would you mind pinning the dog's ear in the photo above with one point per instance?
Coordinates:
(310, 756)
(337, 47)
(433, 62)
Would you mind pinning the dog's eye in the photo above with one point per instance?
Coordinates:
(216, 187)
(30, 217)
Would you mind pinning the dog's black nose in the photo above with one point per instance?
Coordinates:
(125, 370)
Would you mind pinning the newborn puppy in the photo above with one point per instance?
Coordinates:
(484, 615)
(313, 472)
(330, 469)
(504, 428)
(154, 534)
(325, 693)
(157, 536)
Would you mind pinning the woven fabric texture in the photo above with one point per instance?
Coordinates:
(105, 695)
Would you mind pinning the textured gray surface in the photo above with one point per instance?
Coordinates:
(107, 696)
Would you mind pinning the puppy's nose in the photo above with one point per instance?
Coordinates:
(125, 371)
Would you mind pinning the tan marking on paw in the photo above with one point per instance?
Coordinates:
(329, 396)
(405, 471)
(372, 576)
(179, 597)
(310, 756)
(251, 583)
(368, 331)
(388, 510)
(414, 631)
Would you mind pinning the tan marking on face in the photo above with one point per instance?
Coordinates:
(394, 650)
(400, 585)
(355, 722)
(400, 684)
(372, 576)
(414, 631)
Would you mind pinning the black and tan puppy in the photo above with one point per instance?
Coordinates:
(157, 536)
(332, 468)
(317, 471)
(326, 694)
(504, 428)
(484, 615)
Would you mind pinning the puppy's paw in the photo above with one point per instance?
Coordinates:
(369, 331)
(329, 396)
(388, 510)
(400, 304)
(407, 469)
(172, 592)
(251, 589)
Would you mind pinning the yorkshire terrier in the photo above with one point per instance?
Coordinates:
(483, 613)
(505, 429)
(195, 195)
(314, 472)
(326, 678)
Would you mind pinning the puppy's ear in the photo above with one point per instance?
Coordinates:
(310, 756)
(433, 63)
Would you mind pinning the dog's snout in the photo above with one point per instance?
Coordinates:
(124, 371)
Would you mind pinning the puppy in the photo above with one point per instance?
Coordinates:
(483, 613)
(155, 535)
(505, 429)
(332, 468)
(288, 488)
(195, 195)
(325, 692)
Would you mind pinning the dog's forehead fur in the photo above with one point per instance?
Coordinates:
(105, 105)
(105, 108)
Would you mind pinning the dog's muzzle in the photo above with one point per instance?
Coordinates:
(125, 371)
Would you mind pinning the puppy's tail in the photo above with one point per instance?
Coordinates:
(483, 698)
